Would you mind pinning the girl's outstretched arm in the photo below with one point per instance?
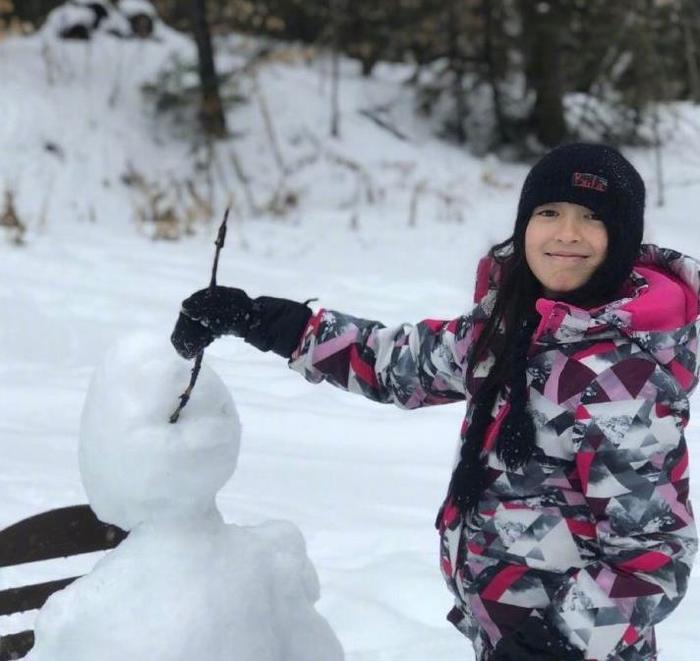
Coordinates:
(407, 365)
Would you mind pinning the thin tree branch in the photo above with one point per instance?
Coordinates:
(185, 397)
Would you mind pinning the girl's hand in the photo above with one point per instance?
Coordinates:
(536, 640)
(208, 314)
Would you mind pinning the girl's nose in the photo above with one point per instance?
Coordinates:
(569, 227)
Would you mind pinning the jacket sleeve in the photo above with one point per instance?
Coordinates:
(408, 365)
(632, 461)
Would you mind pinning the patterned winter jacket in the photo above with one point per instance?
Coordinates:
(596, 532)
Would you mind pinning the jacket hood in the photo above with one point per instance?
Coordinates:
(657, 309)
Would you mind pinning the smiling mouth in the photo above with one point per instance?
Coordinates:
(558, 255)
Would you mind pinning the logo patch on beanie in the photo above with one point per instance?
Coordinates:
(588, 180)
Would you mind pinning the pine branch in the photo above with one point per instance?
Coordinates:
(185, 397)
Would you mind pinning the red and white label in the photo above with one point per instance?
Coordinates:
(588, 180)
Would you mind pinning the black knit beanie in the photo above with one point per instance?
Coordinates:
(594, 176)
(602, 179)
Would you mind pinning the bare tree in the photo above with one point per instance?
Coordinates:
(492, 16)
(211, 111)
(336, 25)
(543, 28)
(456, 58)
(689, 20)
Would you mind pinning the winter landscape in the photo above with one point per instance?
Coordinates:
(376, 225)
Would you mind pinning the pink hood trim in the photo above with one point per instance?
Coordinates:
(667, 303)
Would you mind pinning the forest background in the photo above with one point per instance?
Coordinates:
(498, 72)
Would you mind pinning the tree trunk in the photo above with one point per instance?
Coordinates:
(691, 56)
(368, 63)
(543, 28)
(337, 8)
(457, 66)
(211, 112)
(489, 19)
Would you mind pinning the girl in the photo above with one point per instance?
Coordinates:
(566, 532)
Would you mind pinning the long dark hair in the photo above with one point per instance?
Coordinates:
(516, 293)
(506, 334)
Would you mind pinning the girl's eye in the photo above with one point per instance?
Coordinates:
(547, 212)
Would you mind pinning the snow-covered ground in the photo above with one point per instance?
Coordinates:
(361, 480)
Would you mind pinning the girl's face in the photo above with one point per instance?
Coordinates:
(564, 244)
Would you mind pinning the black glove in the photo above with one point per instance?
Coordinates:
(536, 640)
(267, 323)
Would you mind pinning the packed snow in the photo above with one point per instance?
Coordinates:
(361, 481)
(184, 584)
(134, 464)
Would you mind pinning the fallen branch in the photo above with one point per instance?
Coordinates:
(383, 123)
(185, 397)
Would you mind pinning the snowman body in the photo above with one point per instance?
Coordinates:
(183, 585)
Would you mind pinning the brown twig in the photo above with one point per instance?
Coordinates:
(185, 397)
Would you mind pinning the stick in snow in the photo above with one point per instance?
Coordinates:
(184, 398)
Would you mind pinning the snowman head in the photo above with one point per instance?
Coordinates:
(135, 464)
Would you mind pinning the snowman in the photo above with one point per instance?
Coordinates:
(183, 585)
